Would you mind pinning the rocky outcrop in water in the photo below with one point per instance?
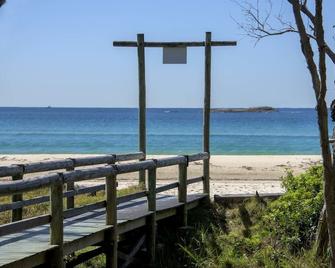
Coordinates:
(262, 109)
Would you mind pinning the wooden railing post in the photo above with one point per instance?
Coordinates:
(182, 193)
(142, 101)
(207, 111)
(17, 213)
(151, 219)
(70, 187)
(111, 219)
(56, 224)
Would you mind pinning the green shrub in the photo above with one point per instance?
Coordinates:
(292, 219)
(260, 233)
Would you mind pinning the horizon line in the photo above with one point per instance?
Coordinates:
(136, 107)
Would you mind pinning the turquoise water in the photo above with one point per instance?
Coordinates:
(170, 131)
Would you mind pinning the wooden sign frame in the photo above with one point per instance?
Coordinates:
(140, 44)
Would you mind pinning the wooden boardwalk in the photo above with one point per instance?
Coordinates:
(32, 246)
(47, 239)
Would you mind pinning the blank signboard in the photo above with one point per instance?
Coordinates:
(174, 55)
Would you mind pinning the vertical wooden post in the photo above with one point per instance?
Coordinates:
(142, 100)
(56, 224)
(17, 213)
(182, 193)
(111, 219)
(151, 220)
(70, 187)
(207, 111)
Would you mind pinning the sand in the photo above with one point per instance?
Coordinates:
(229, 174)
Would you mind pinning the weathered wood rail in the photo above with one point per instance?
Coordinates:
(17, 172)
(47, 239)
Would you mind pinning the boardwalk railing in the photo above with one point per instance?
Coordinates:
(17, 172)
(56, 182)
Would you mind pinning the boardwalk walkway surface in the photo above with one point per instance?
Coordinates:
(47, 239)
(32, 245)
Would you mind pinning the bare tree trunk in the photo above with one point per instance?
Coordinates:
(322, 238)
(320, 88)
(329, 191)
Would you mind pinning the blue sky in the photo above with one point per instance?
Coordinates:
(60, 53)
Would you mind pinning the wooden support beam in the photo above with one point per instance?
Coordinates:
(151, 219)
(182, 194)
(207, 111)
(142, 101)
(173, 44)
(111, 219)
(56, 224)
(17, 213)
(130, 257)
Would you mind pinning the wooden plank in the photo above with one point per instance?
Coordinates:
(11, 170)
(88, 174)
(96, 235)
(142, 101)
(135, 166)
(83, 209)
(27, 259)
(18, 226)
(14, 187)
(86, 190)
(129, 197)
(111, 219)
(68, 163)
(24, 203)
(93, 160)
(56, 223)
(195, 180)
(127, 226)
(17, 213)
(44, 199)
(167, 187)
(173, 44)
(207, 108)
(47, 166)
(197, 157)
(131, 156)
(170, 161)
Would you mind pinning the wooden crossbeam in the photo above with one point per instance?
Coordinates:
(173, 44)
(129, 257)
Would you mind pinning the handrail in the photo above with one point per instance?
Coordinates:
(14, 170)
(24, 185)
(18, 171)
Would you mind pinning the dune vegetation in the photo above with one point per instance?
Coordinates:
(255, 233)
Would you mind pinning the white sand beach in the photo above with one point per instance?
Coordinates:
(229, 173)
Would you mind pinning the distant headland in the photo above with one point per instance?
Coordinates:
(261, 109)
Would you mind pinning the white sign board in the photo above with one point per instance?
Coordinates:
(174, 55)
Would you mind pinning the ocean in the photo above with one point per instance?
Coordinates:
(169, 131)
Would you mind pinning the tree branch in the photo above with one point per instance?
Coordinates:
(259, 28)
(306, 47)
